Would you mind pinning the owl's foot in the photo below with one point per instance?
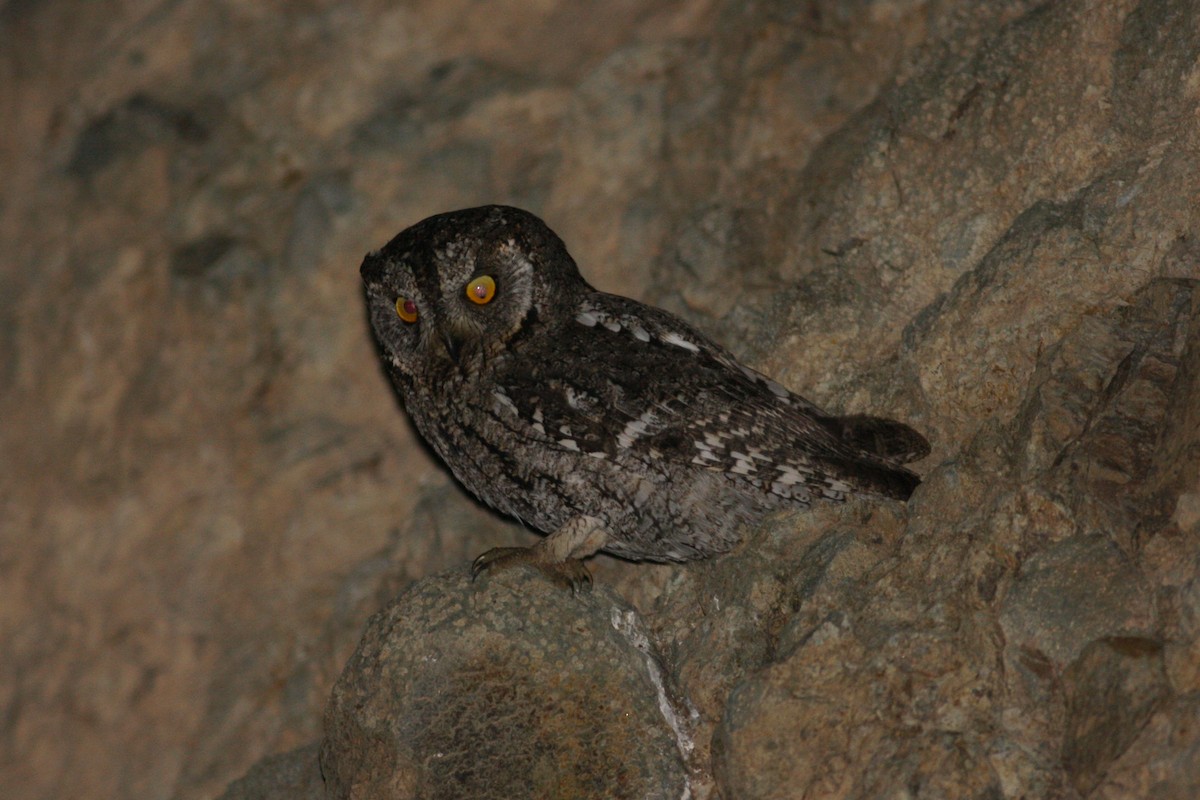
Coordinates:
(559, 556)
(570, 574)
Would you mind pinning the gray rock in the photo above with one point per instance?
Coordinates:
(508, 687)
(1072, 593)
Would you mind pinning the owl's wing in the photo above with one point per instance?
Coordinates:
(633, 382)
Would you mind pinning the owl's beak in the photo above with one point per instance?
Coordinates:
(457, 335)
(453, 345)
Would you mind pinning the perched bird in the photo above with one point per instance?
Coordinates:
(603, 422)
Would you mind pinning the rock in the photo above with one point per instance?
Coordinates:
(1073, 593)
(865, 703)
(507, 687)
(978, 217)
(289, 776)
(1164, 759)
(1111, 690)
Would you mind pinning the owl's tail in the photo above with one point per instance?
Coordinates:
(874, 449)
(880, 478)
(889, 440)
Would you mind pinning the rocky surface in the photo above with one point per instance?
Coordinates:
(295, 775)
(504, 687)
(978, 217)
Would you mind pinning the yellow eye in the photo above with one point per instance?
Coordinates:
(481, 290)
(406, 309)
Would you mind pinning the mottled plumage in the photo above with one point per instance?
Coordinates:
(557, 404)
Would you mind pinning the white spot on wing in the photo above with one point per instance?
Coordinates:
(569, 444)
(505, 400)
(586, 318)
(776, 389)
(636, 428)
(841, 487)
(741, 467)
(706, 455)
(789, 476)
(679, 341)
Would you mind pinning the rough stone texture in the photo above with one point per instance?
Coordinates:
(507, 687)
(979, 217)
(290, 776)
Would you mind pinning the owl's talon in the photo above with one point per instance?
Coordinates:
(570, 574)
(498, 554)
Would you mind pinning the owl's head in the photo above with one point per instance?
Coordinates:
(464, 283)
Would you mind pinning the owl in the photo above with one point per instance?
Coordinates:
(602, 422)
